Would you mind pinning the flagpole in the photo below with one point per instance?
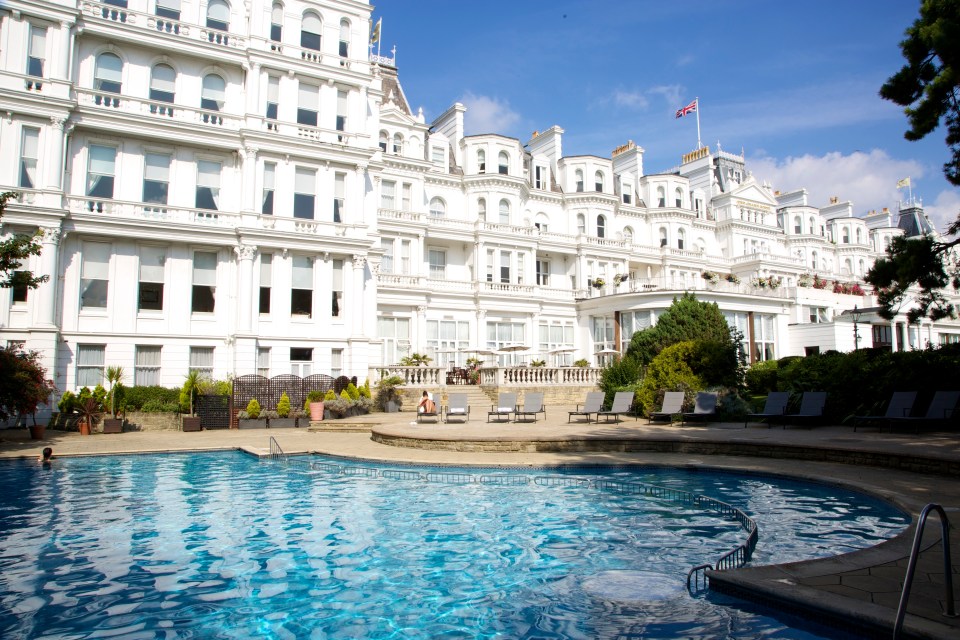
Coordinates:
(697, 100)
(379, 36)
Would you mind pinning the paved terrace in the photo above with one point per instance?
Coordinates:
(859, 590)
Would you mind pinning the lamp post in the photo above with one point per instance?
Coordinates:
(856, 334)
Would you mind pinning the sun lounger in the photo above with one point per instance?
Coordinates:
(942, 409)
(622, 401)
(457, 408)
(672, 405)
(900, 406)
(811, 409)
(773, 408)
(704, 410)
(434, 414)
(505, 407)
(591, 405)
(532, 405)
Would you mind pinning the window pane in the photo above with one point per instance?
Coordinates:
(302, 272)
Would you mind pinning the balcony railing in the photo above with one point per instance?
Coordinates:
(163, 111)
(432, 377)
(173, 28)
(165, 213)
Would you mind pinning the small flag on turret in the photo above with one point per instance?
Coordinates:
(375, 36)
(903, 183)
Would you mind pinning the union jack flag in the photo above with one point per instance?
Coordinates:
(690, 108)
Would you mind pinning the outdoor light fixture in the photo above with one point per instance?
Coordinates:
(856, 335)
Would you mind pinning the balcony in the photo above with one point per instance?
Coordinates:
(152, 212)
(161, 111)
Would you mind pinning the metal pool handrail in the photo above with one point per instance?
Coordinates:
(276, 453)
(912, 565)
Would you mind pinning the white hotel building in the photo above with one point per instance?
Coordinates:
(239, 188)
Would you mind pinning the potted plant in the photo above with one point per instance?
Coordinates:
(114, 424)
(538, 363)
(25, 386)
(599, 283)
(188, 394)
(388, 395)
(252, 417)
(280, 419)
(300, 417)
(582, 362)
(733, 278)
(315, 405)
(89, 412)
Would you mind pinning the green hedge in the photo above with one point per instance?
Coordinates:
(151, 399)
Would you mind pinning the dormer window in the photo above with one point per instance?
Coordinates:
(625, 191)
(679, 197)
(598, 181)
(661, 197)
(579, 181)
(503, 162)
(540, 177)
(481, 161)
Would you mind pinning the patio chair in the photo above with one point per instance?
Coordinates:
(773, 408)
(811, 409)
(672, 405)
(422, 413)
(942, 408)
(532, 405)
(704, 409)
(622, 402)
(900, 406)
(457, 408)
(592, 404)
(505, 407)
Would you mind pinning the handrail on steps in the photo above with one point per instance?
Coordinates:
(912, 565)
(276, 453)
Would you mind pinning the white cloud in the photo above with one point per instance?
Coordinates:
(869, 180)
(487, 115)
(632, 99)
(944, 210)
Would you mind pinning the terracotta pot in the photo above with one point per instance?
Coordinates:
(316, 411)
(37, 431)
(84, 426)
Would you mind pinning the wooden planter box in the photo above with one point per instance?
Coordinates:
(115, 425)
(190, 423)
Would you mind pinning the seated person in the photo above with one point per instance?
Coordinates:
(427, 405)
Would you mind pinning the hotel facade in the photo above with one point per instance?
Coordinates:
(243, 188)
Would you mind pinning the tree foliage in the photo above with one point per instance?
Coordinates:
(13, 251)
(686, 319)
(926, 86)
(23, 382)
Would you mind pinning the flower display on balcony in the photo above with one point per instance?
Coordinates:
(710, 277)
(850, 289)
(818, 282)
(732, 278)
(599, 283)
(804, 280)
(770, 282)
(620, 277)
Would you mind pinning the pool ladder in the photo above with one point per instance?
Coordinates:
(912, 565)
(276, 453)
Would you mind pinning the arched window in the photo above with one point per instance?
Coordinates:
(813, 259)
(107, 76)
(344, 38)
(438, 208)
(482, 209)
(310, 29)
(797, 225)
(504, 212)
(601, 227)
(481, 161)
(276, 22)
(384, 137)
(579, 180)
(664, 239)
(598, 180)
(846, 235)
(503, 162)
(678, 197)
(862, 267)
(661, 197)
(163, 81)
(848, 266)
(628, 235)
(681, 238)
(397, 143)
(214, 92)
(542, 222)
(859, 236)
(581, 223)
(813, 225)
(218, 15)
(886, 242)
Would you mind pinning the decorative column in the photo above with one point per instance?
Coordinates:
(245, 253)
(249, 180)
(421, 337)
(47, 291)
(356, 206)
(253, 88)
(52, 168)
(356, 302)
(61, 60)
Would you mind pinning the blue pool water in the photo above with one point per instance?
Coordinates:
(225, 546)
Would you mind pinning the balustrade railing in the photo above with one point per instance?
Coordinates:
(493, 376)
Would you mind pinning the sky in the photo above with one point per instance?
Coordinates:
(792, 85)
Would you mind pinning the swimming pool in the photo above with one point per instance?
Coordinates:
(226, 546)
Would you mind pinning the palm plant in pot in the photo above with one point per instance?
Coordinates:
(114, 424)
(89, 412)
(192, 384)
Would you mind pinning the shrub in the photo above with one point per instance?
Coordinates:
(68, 402)
(387, 392)
(762, 377)
(253, 408)
(330, 395)
(669, 371)
(365, 389)
(623, 375)
(158, 406)
(582, 362)
(346, 396)
(283, 405)
(137, 398)
(352, 392)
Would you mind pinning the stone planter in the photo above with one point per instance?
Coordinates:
(282, 423)
(252, 423)
(190, 423)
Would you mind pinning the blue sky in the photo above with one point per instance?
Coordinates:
(794, 85)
